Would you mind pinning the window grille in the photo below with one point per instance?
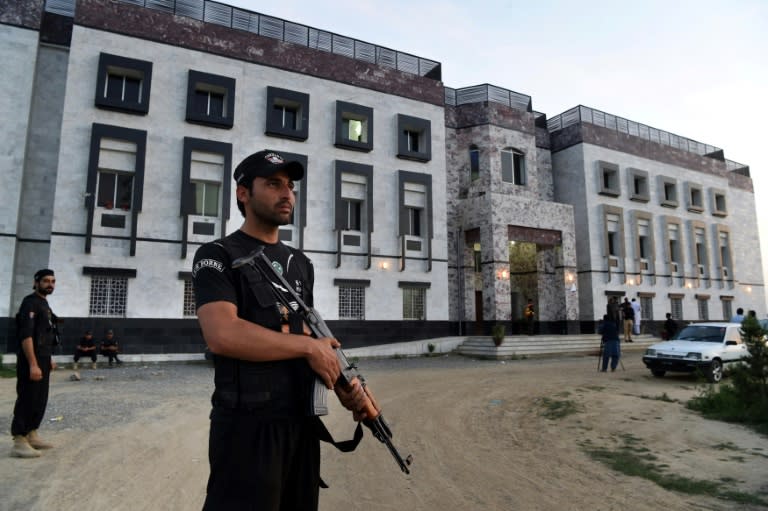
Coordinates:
(109, 296)
(351, 302)
(414, 301)
(189, 299)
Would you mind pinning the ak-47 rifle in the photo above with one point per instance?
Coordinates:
(289, 298)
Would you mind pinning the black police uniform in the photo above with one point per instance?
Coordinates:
(264, 451)
(36, 320)
(86, 343)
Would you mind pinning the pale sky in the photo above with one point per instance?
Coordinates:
(694, 68)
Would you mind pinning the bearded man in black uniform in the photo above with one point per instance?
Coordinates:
(37, 332)
(264, 450)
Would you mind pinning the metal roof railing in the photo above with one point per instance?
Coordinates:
(486, 92)
(218, 13)
(592, 116)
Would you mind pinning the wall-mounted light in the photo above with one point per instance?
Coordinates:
(631, 282)
(384, 265)
(503, 274)
(749, 289)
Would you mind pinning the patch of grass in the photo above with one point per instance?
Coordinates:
(554, 409)
(664, 397)
(727, 446)
(627, 460)
(6, 372)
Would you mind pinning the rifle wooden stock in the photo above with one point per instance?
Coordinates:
(289, 298)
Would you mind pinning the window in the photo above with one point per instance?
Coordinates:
(210, 100)
(668, 187)
(608, 174)
(614, 244)
(351, 298)
(512, 167)
(414, 140)
(638, 185)
(354, 221)
(354, 126)
(415, 210)
(189, 299)
(676, 307)
(477, 259)
(725, 254)
(353, 205)
(727, 308)
(114, 190)
(695, 198)
(115, 177)
(206, 198)
(123, 84)
(644, 240)
(109, 295)
(675, 252)
(474, 162)
(646, 308)
(700, 241)
(718, 203)
(414, 303)
(702, 303)
(287, 114)
(414, 221)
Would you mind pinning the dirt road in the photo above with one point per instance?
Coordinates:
(479, 433)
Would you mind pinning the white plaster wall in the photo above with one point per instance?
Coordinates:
(157, 292)
(18, 53)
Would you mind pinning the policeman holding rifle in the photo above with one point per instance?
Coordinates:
(264, 450)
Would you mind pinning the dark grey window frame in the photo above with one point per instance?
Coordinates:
(638, 195)
(604, 167)
(125, 66)
(351, 111)
(665, 181)
(403, 213)
(274, 126)
(423, 127)
(138, 137)
(340, 209)
(199, 79)
(692, 191)
(188, 190)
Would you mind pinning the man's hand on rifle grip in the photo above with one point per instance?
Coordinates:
(322, 359)
(355, 398)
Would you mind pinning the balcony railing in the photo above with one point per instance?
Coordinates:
(269, 26)
(592, 116)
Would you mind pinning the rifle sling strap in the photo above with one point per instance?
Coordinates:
(344, 446)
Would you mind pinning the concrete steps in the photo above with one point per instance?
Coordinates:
(543, 345)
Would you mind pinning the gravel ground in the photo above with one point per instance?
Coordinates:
(116, 395)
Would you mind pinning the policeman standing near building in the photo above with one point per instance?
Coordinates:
(264, 450)
(37, 331)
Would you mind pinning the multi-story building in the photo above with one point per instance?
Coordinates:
(427, 211)
(666, 220)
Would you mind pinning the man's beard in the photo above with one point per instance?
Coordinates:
(269, 216)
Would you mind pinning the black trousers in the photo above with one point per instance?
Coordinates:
(31, 396)
(81, 353)
(262, 465)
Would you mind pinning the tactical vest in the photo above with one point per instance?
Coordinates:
(274, 389)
